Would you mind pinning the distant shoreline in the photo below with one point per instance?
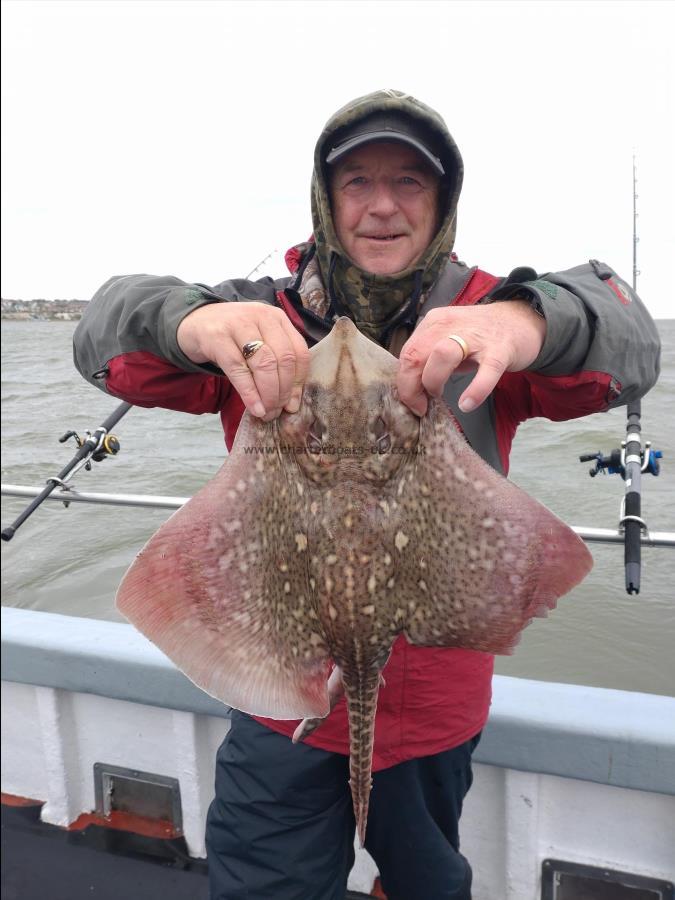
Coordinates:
(70, 311)
(42, 310)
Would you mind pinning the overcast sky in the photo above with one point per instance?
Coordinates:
(177, 137)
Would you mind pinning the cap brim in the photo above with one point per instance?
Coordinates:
(358, 140)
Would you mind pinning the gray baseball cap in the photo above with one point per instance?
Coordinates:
(387, 126)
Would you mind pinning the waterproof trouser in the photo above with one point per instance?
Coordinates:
(281, 826)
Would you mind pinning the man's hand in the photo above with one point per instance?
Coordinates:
(501, 337)
(271, 379)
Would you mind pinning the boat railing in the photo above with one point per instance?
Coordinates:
(68, 495)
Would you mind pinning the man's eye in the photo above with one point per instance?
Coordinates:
(409, 184)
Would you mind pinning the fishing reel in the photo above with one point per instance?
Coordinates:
(103, 445)
(615, 462)
(96, 445)
(629, 461)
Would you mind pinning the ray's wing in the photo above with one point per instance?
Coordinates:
(483, 557)
(223, 587)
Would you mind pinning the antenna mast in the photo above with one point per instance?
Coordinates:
(636, 271)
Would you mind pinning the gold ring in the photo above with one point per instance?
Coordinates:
(248, 350)
(463, 346)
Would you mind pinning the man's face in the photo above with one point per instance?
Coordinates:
(385, 206)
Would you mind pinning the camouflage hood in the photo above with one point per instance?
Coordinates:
(376, 302)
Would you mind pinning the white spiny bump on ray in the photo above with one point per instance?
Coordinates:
(258, 585)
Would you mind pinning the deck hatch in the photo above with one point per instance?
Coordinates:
(562, 880)
(131, 791)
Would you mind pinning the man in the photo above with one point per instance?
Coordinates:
(387, 178)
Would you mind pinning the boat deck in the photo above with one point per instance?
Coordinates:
(45, 862)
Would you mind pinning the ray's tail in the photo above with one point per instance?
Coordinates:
(361, 694)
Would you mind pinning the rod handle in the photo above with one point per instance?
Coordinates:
(633, 578)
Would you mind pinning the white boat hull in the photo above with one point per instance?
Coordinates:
(565, 772)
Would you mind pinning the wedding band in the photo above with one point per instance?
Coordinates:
(252, 347)
(463, 346)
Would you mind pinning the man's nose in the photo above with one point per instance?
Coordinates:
(383, 199)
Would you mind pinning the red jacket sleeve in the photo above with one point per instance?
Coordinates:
(147, 380)
(524, 395)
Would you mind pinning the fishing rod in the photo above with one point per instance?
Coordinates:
(629, 461)
(261, 264)
(95, 446)
(631, 519)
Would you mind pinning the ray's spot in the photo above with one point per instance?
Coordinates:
(401, 540)
(232, 525)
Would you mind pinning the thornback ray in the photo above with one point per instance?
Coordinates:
(329, 532)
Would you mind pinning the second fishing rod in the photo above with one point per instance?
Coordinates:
(97, 445)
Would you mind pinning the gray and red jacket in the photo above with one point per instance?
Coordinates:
(601, 350)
